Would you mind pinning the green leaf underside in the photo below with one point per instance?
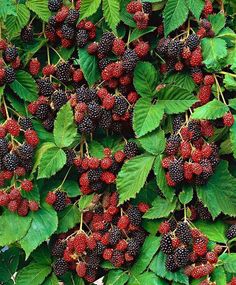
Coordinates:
(161, 208)
(111, 12)
(40, 8)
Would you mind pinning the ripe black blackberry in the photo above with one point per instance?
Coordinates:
(166, 244)
(176, 170)
(231, 233)
(54, 5)
(170, 63)
(106, 42)
(59, 99)
(170, 263)
(134, 215)
(129, 60)
(162, 47)
(131, 149)
(60, 203)
(25, 123)
(104, 62)
(58, 249)
(147, 7)
(3, 147)
(172, 144)
(86, 126)
(25, 151)
(63, 72)
(121, 105)
(214, 160)
(192, 42)
(177, 123)
(99, 248)
(117, 258)
(139, 236)
(81, 38)
(195, 128)
(72, 17)
(92, 259)
(10, 161)
(52, 21)
(48, 124)
(115, 167)
(70, 156)
(27, 34)
(94, 111)
(105, 120)
(1, 165)
(45, 87)
(181, 256)
(183, 232)
(175, 47)
(94, 174)
(60, 267)
(116, 127)
(68, 31)
(10, 75)
(203, 212)
(96, 186)
(91, 274)
(10, 54)
(92, 95)
(43, 111)
(27, 164)
(115, 235)
(82, 95)
(133, 247)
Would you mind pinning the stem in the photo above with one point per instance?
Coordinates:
(81, 222)
(227, 73)
(185, 213)
(57, 53)
(32, 20)
(219, 89)
(64, 179)
(128, 38)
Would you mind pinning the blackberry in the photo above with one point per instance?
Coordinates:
(10, 74)
(10, 161)
(115, 235)
(172, 144)
(166, 244)
(60, 203)
(27, 34)
(92, 95)
(130, 59)
(183, 232)
(10, 54)
(27, 164)
(25, 151)
(60, 267)
(231, 233)
(115, 167)
(105, 120)
(139, 236)
(134, 215)
(59, 99)
(58, 249)
(82, 95)
(81, 38)
(25, 123)
(86, 126)
(72, 17)
(170, 263)
(174, 48)
(116, 127)
(203, 212)
(45, 87)
(170, 64)
(52, 21)
(131, 149)
(192, 42)
(99, 210)
(48, 124)
(162, 47)
(121, 105)
(96, 186)
(94, 111)
(43, 111)
(104, 63)
(99, 248)
(206, 24)
(94, 174)
(117, 258)
(1, 165)
(176, 170)
(181, 256)
(91, 274)
(177, 123)
(106, 42)
(147, 7)
(93, 260)
(68, 32)
(195, 128)
(70, 156)
(63, 72)
(133, 247)
(3, 147)
(54, 5)
(173, 224)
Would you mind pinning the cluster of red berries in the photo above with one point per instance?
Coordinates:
(109, 233)
(96, 173)
(189, 158)
(187, 248)
(141, 12)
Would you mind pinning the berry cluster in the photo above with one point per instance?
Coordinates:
(96, 173)
(186, 248)
(109, 233)
(189, 157)
(58, 199)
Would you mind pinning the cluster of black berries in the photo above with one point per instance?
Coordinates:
(109, 233)
(187, 248)
(189, 158)
(96, 173)
(63, 27)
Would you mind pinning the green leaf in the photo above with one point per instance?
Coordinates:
(229, 82)
(175, 14)
(13, 227)
(213, 50)
(33, 48)
(217, 22)
(65, 130)
(219, 276)
(7, 8)
(51, 162)
(42, 254)
(14, 24)
(219, 195)
(44, 224)
(71, 187)
(33, 273)
(210, 111)
(96, 149)
(68, 218)
(44, 135)
(154, 142)
(175, 100)
(40, 8)
(89, 66)
(147, 117)
(233, 137)
(111, 12)
(51, 280)
(146, 278)
(166, 190)
(148, 249)
(196, 7)
(158, 267)
(116, 277)
(125, 16)
(182, 80)
(136, 34)
(215, 231)
(227, 33)
(25, 86)
(229, 262)
(32, 195)
(161, 208)
(186, 195)
(17, 103)
(88, 8)
(84, 201)
(133, 175)
(145, 79)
